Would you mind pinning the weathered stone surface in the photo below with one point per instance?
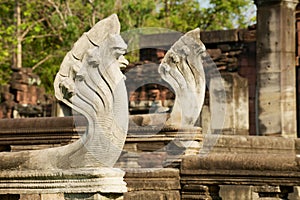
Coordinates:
(91, 196)
(240, 192)
(220, 36)
(58, 196)
(274, 173)
(259, 176)
(89, 180)
(153, 148)
(226, 161)
(241, 152)
(276, 71)
(153, 195)
(249, 144)
(40, 133)
(270, 163)
(148, 92)
(236, 116)
(200, 192)
(152, 184)
(273, 192)
(164, 41)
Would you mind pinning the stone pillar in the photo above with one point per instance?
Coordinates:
(276, 63)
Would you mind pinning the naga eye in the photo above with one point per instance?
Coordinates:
(167, 68)
(79, 77)
(117, 52)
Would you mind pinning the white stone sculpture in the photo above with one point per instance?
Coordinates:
(182, 68)
(91, 83)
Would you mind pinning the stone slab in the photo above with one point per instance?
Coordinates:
(88, 180)
(250, 144)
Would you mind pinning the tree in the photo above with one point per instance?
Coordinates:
(37, 34)
(226, 14)
(6, 41)
(184, 15)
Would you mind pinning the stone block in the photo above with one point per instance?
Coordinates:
(229, 192)
(58, 196)
(153, 195)
(92, 196)
(152, 179)
(52, 184)
(152, 184)
(219, 36)
(249, 144)
(164, 41)
(229, 104)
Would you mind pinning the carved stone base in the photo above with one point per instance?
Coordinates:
(89, 183)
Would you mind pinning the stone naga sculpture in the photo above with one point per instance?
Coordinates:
(182, 68)
(91, 83)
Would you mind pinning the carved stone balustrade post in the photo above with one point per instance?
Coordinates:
(273, 192)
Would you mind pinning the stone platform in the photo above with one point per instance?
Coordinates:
(88, 183)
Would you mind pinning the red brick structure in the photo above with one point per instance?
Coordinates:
(24, 97)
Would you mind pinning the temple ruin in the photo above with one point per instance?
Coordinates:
(252, 154)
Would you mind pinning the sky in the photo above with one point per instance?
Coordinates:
(204, 3)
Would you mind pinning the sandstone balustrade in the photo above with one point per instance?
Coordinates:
(268, 165)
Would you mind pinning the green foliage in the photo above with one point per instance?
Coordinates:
(226, 14)
(6, 30)
(49, 28)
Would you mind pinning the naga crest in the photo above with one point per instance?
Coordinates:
(182, 68)
(96, 89)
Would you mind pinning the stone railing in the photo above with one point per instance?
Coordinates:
(269, 166)
(39, 133)
(235, 167)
